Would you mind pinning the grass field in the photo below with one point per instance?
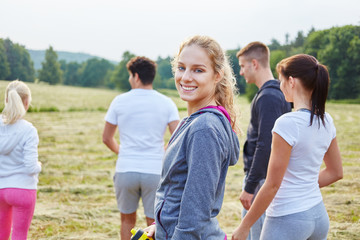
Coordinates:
(75, 193)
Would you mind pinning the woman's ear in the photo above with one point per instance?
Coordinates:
(219, 76)
(26, 103)
(291, 82)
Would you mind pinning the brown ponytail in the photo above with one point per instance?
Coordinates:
(313, 76)
(320, 92)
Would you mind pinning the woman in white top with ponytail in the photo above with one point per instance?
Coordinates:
(19, 165)
(302, 141)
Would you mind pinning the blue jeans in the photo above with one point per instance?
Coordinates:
(312, 224)
(255, 230)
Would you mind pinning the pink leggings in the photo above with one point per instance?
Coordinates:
(16, 209)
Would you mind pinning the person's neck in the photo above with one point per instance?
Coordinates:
(301, 98)
(302, 102)
(195, 107)
(263, 76)
(146, 87)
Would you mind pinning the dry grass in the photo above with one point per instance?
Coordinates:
(76, 197)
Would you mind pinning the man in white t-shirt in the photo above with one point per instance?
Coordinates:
(142, 116)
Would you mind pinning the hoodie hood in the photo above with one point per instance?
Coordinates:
(10, 136)
(274, 83)
(219, 111)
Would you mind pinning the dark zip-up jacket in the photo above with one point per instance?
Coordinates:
(267, 105)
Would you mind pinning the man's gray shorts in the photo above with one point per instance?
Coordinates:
(130, 186)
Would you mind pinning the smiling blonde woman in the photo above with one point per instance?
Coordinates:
(204, 145)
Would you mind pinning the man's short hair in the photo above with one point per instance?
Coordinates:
(144, 67)
(256, 50)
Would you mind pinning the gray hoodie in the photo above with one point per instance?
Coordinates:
(19, 166)
(192, 185)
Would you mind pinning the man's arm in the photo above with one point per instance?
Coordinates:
(269, 109)
(108, 137)
(172, 126)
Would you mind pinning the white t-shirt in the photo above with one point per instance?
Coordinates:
(142, 117)
(299, 190)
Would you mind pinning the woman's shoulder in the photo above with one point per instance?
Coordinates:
(292, 120)
(328, 117)
(286, 119)
(25, 126)
(22, 128)
(19, 124)
(287, 116)
(207, 121)
(25, 123)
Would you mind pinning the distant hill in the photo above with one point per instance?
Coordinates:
(38, 56)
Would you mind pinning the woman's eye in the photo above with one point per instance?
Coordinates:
(199, 70)
(181, 68)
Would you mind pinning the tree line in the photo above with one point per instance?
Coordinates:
(338, 48)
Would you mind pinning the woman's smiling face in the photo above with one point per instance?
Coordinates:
(195, 77)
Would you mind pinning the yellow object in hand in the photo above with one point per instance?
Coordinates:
(140, 235)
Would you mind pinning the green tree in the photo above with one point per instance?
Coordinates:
(50, 71)
(63, 65)
(164, 67)
(4, 65)
(93, 72)
(164, 76)
(107, 79)
(158, 82)
(72, 74)
(299, 40)
(275, 57)
(354, 55)
(274, 45)
(21, 65)
(120, 76)
(234, 62)
(338, 48)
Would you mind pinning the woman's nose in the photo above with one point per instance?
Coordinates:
(187, 76)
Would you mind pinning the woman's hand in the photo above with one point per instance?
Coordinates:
(240, 234)
(150, 230)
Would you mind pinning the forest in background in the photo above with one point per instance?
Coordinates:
(337, 47)
(38, 56)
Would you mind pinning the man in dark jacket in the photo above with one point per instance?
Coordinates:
(267, 105)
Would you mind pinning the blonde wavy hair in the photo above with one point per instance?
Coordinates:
(16, 95)
(225, 89)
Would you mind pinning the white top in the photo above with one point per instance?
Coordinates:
(299, 190)
(19, 166)
(142, 117)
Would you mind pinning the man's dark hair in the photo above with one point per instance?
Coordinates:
(144, 67)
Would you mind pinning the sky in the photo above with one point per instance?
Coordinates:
(153, 28)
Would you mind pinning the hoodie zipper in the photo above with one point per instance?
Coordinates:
(177, 131)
